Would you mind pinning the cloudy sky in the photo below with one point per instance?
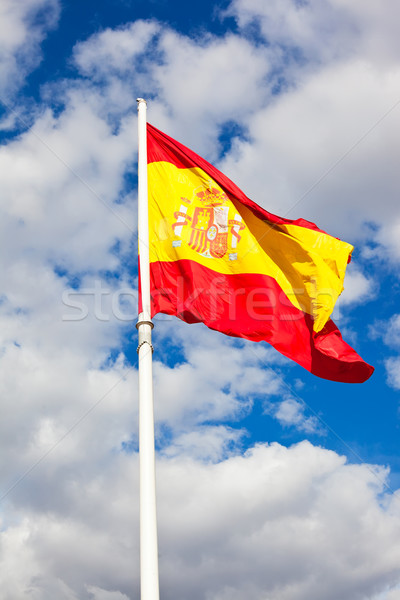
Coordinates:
(272, 484)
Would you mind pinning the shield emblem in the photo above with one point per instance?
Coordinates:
(219, 245)
(209, 231)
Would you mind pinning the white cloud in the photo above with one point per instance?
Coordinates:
(279, 521)
(295, 523)
(23, 26)
(207, 443)
(358, 288)
(98, 594)
(61, 183)
(216, 378)
(392, 366)
(291, 413)
(187, 81)
(391, 595)
(114, 51)
(198, 81)
(322, 31)
(319, 32)
(389, 333)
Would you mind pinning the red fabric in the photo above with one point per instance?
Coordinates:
(255, 308)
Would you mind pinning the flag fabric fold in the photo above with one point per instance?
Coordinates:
(218, 258)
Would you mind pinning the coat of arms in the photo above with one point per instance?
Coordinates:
(212, 232)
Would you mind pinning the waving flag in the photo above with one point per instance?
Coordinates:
(218, 258)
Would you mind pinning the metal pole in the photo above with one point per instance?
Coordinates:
(149, 589)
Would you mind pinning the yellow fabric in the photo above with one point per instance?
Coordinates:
(308, 265)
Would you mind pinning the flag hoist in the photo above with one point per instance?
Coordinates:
(148, 515)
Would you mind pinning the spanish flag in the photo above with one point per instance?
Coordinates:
(218, 258)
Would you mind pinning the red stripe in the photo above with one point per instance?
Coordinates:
(161, 147)
(253, 307)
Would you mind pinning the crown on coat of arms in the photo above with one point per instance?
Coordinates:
(211, 196)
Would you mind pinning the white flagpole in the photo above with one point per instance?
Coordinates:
(149, 589)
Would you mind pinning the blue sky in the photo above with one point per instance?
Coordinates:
(272, 483)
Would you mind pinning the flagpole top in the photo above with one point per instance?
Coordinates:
(139, 100)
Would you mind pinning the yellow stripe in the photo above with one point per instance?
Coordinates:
(308, 265)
